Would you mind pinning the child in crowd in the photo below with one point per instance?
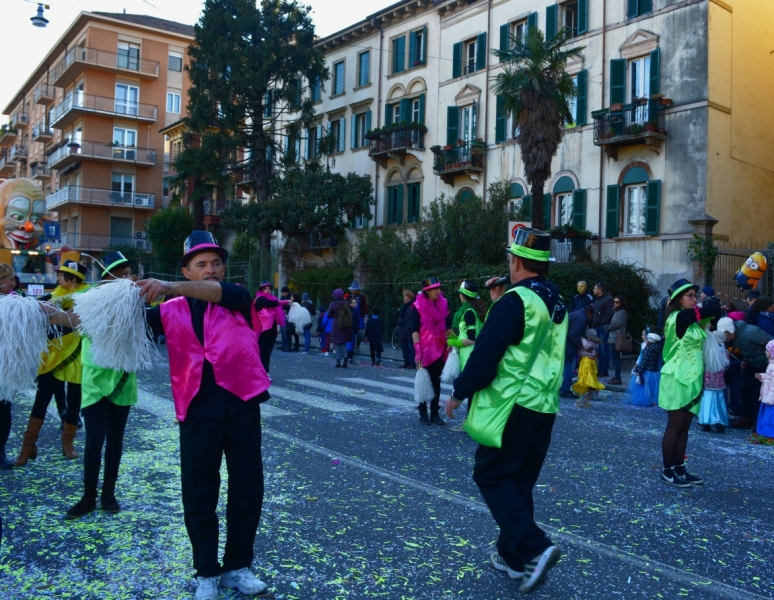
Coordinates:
(587, 368)
(643, 387)
(357, 325)
(327, 328)
(712, 410)
(765, 425)
(373, 337)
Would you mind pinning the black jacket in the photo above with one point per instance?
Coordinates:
(603, 310)
(575, 330)
(580, 301)
(373, 333)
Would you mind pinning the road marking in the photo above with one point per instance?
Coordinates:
(314, 401)
(444, 386)
(164, 408)
(352, 392)
(708, 586)
(382, 385)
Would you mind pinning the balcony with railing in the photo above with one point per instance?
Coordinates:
(77, 104)
(7, 166)
(42, 133)
(17, 153)
(7, 135)
(40, 171)
(621, 125)
(244, 180)
(79, 58)
(395, 142)
(465, 158)
(72, 196)
(19, 120)
(97, 242)
(101, 151)
(44, 94)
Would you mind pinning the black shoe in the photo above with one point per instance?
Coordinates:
(435, 418)
(338, 364)
(344, 364)
(423, 414)
(109, 503)
(680, 471)
(536, 570)
(706, 428)
(87, 504)
(567, 395)
(720, 428)
(669, 476)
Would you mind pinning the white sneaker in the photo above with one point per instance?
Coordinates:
(499, 563)
(207, 588)
(244, 581)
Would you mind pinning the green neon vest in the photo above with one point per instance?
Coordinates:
(682, 376)
(466, 351)
(536, 388)
(98, 382)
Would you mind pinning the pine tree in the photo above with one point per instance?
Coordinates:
(250, 64)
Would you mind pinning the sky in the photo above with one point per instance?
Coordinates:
(23, 46)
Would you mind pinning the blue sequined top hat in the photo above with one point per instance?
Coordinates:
(201, 241)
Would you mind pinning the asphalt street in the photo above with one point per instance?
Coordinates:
(364, 502)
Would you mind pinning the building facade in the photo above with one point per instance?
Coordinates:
(670, 121)
(86, 126)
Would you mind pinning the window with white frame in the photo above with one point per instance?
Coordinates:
(359, 223)
(470, 55)
(468, 123)
(173, 103)
(175, 62)
(127, 99)
(416, 111)
(570, 18)
(639, 87)
(337, 131)
(362, 125)
(125, 140)
(519, 28)
(395, 108)
(636, 202)
(564, 209)
(574, 100)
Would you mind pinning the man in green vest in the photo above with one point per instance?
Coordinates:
(513, 376)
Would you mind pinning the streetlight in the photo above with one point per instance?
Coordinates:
(39, 20)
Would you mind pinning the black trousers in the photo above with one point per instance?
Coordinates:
(105, 425)
(376, 355)
(47, 387)
(751, 391)
(266, 342)
(506, 476)
(202, 445)
(434, 370)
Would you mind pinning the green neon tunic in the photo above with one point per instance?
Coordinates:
(117, 386)
(536, 388)
(683, 373)
(466, 351)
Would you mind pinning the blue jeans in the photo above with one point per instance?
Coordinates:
(407, 346)
(615, 360)
(307, 338)
(604, 351)
(569, 369)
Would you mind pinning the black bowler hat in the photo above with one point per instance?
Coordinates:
(201, 241)
(111, 260)
(682, 285)
(430, 283)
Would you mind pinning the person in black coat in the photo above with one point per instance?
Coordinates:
(578, 321)
(373, 335)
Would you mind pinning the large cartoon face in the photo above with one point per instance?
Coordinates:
(755, 266)
(22, 206)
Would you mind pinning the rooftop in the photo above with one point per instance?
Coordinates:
(148, 21)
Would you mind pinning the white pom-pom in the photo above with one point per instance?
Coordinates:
(715, 355)
(113, 316)
(451, 370)
(24, 326)
(299, 316)
(423, 387)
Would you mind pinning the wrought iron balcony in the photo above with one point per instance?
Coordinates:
(7, 166)
(17, 153)
(97, 242)
(42, 133)
(77, 104)
(395, 142)
(80, 57)
(466, 158)
(7, 135)
(20, 120)
(40, 171)
(44, 94)
(245, 180)
(72, 196)
(630, 124)
(84, 149)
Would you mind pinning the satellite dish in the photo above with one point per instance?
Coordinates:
(39, 20)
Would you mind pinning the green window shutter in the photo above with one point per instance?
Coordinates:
(580, 101)
(414, 195)
(399, 205)
(353, 132)
(655, 72)
(501, 121)
(342, 134)
(505, 37)
(526, 204)
(550, 21)
(481, 52)
(412, 49)
(583, 16)
(532, 20)
(653, 208)
(388, 114)
(320, 133)
(423, 49)
(422, 109)
(452, 125)
(306, 144)
(632, 8)
(613, 211)
(547, 210)
(457, 60)
(618, 81)
(579, 209)
(405, 110)
(399, 54)
(367, 121)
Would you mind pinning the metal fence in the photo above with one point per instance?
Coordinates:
(729, 260)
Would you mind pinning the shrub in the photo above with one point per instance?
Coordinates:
(320, 283)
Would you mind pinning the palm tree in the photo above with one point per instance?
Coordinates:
(537, 92)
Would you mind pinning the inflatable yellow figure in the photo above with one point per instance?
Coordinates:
(751, 272)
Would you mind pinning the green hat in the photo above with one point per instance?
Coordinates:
(532, 244)
(469, 288)
(680, 286)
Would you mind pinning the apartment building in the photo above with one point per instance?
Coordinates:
(672, 130)
(86, 123)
